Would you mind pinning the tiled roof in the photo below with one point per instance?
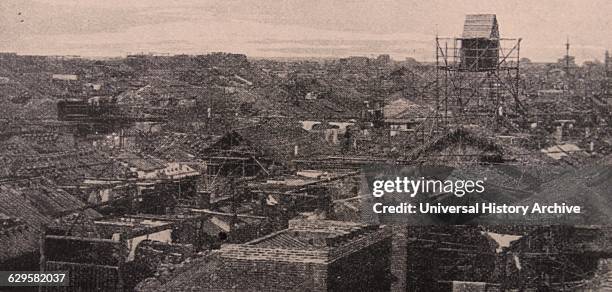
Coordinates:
(278, 138)
(16, 241)
(34, 202)
(331, 240)
(141, 163)
(402, 108)
(288, 240)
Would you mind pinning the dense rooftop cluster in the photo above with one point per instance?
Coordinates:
(213, 172)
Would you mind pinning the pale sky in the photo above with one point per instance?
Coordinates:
(319, 28)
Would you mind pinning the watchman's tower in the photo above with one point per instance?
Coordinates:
(480, 43)
(477, 74)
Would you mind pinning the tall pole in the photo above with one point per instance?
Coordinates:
(567, 48)
(437, 73)
(518, 74)
(435, 120)
(567, 67)
(607, 75)
(446, 77)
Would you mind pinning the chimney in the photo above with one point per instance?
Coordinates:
(559, 133)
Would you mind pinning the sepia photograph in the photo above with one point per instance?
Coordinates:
(305, 145)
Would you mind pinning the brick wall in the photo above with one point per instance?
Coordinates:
(356, 241)
(322, 224)
(87, 277)
(329, 256)
(270, 275)
(367, 269)
(238, 251)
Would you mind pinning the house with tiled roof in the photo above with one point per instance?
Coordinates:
(26, 206)
(311, 255)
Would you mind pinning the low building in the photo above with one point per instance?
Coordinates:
(315, 255)
(558, 258)
(266, 147)
(26, 205)
(115, 253)
(152, 168)
(327, 131)
(19, 242)
(439, 258)
(402, 115)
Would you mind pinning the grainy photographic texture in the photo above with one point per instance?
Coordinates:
(325, 145)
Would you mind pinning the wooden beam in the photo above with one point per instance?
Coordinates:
(285, 194)
(207, 211)
(78, 238)
(84, 265)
